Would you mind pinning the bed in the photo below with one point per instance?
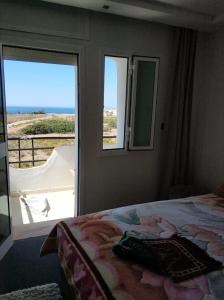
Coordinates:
(84, 246)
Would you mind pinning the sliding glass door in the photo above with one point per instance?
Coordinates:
(5, 228)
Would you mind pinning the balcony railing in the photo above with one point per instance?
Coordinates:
(19, 148)
(32, 148)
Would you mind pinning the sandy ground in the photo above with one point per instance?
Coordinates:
(19, 121)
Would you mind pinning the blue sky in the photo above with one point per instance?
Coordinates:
(39, 84)
(110, 81)
(50, 85)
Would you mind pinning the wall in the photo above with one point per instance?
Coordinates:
(207, 164)
(57, 174)
(114, 180)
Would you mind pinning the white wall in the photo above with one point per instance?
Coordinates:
(106, 181)
(56, 174)
(207, 163)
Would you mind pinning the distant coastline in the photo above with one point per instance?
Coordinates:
(47, 110)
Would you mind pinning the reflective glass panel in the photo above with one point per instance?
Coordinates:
(4, 202)
(2, 138)
(115, 90)
(144, 103)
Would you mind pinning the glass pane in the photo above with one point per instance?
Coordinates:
(144, 103)
(115, 89)
(2, 137)
(4, 204)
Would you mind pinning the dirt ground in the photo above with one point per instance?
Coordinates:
(19, 121)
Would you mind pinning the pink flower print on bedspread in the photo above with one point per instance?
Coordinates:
(213, 238)
(79, 270)
(81, 273)
(84, 281)
(67, 249)
(82, 220)
(93, 295)
(159, 226)
(97, 237)
(215, 203)
(194, 289)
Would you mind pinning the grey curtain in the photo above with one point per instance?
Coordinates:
(182, 99)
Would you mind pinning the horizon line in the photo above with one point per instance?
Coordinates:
(23, 106)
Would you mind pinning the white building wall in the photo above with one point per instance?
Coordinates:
(57, 174)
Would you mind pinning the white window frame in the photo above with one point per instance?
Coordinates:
(112, 151)
(60, 55)
(135, 60)
(130, 103)
(43, 42)
(8, 242)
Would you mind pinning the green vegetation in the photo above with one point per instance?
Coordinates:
(35, 112)
(47, 124)
(39, 112)
(110, 122)
(109, 125)
(109, 140)
(50, 126)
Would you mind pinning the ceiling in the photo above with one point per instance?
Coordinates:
(209, 7)
(204, 15)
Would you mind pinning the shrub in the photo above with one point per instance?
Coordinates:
(39, 112)
(50, 126)
(110, 122)
(109, 141)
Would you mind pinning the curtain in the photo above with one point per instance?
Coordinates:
(182, 99)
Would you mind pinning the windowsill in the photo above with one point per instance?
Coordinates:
(111, 152)
(107, 147)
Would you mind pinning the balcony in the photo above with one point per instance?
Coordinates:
(42, 187)
(41, 183)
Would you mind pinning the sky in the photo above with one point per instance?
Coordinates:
(50, 85)
(110, 82)
(39, 84)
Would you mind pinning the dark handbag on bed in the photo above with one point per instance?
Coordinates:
(176, 257)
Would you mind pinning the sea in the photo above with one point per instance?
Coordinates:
(47, 110)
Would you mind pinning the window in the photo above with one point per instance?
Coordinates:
(139, 122)
(144, 91)
(115, 90)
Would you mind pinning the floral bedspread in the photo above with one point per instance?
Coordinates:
(84, 245)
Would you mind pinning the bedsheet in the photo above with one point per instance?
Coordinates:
(84, 245)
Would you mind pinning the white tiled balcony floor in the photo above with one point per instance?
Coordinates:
(35, 214)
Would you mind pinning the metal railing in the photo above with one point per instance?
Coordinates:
(19, 149)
